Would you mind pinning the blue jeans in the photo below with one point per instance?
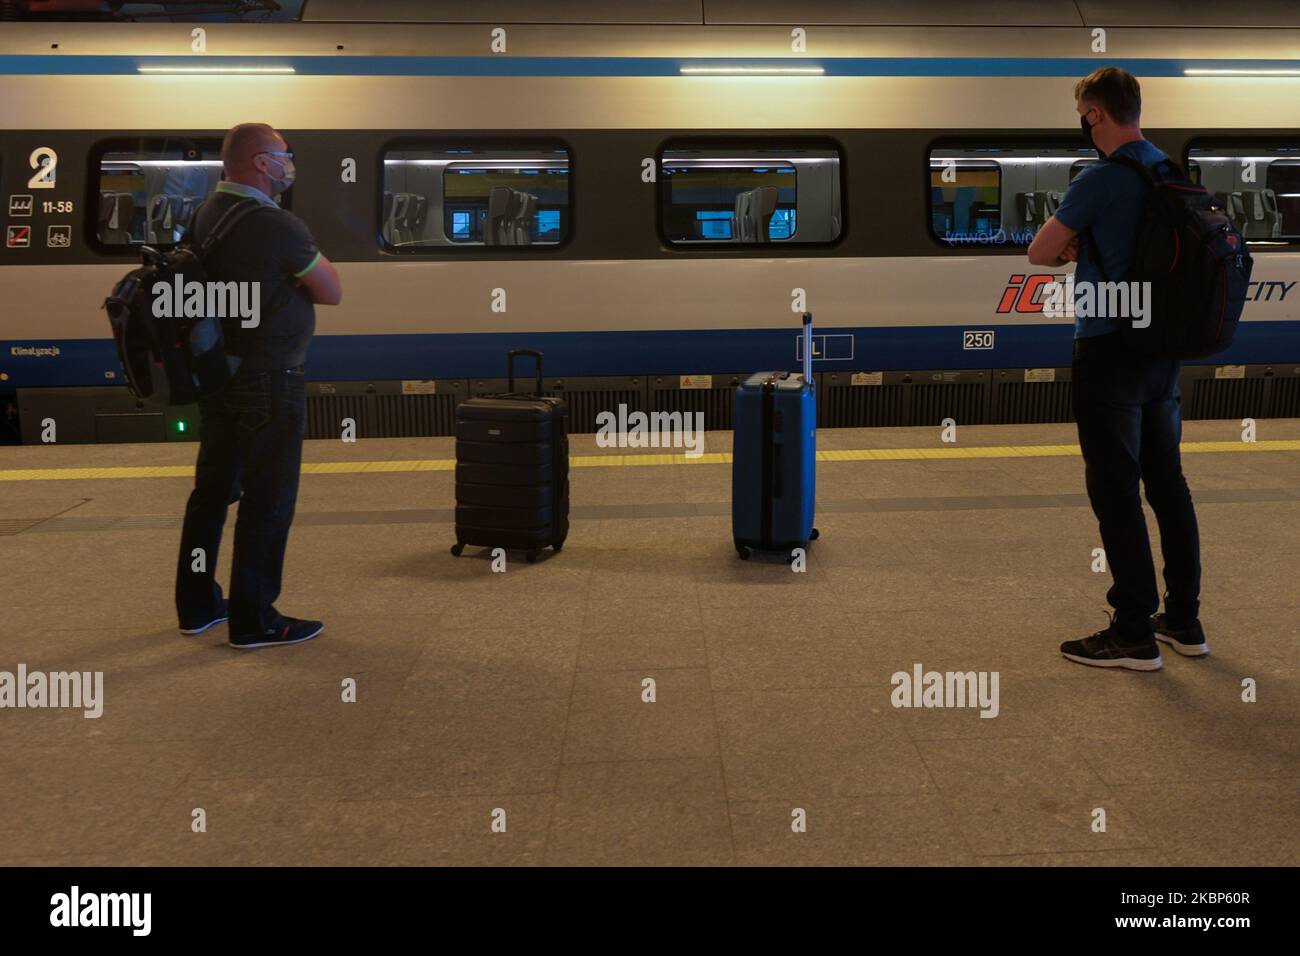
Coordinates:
(1129, 416)
(250, 441)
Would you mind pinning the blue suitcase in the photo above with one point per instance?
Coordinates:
(774, 461)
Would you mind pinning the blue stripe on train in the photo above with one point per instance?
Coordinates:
(82, 362)
(44, 64)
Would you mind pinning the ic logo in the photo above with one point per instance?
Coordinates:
(1022, 293)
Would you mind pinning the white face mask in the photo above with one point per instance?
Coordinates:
(282, 182)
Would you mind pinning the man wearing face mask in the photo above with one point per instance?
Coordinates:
(1126, 404)
(250, 435)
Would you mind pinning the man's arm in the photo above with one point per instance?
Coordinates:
(302, 260)
(321, 280)
(1054, 244)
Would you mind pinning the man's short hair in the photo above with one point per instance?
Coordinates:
(1116, 91)
(236, 146)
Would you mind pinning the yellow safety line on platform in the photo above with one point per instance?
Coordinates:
(614, 461)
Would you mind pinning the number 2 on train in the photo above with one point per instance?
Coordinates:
(45, 161)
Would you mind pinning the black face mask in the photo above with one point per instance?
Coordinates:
(1087, 135)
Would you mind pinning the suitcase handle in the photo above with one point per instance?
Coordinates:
(510, 366)
(807, 348)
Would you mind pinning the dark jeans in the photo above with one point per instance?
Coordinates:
(250, 438)
(1130, 423)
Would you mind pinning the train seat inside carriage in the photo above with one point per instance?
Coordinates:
(160, 219)
(510, 217)
(1259, 189)
(150, 198)
(116, 217)
(169, 217)
(500, 201)
(1234, 206)
(753, 212)
(444, 196)
(405, 216)
(1255, 212)
(1037, 206)
(751, 195)
(1262, 220)
(417, 214)
(526, 220)
(397, 215)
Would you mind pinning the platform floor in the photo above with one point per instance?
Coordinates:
(480, 691)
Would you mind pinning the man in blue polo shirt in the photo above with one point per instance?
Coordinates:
(1127, 405)
(250, 436)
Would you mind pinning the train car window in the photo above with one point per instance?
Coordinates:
(746, 194)
(1258, 184)
(1077, 167)
(439, 198)
(149, 190)
(998, 195)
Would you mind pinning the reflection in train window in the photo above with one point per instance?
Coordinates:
(1259, 186)
(148, 193)
(999, 196)
(475, 197)
(750, 195)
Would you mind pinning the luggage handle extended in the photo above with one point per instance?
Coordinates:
(807, 349)
(510, 366)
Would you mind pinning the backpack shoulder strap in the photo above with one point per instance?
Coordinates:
(225, 224)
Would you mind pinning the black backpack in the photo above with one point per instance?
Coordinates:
(171, 360)
(1196, 261)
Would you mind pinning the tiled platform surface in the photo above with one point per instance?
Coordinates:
(522, 691)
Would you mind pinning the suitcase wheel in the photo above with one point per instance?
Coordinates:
(531, 556)
(558, 545)
(745, 551)
(457, 548)
(815, 535)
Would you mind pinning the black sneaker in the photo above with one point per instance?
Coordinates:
(290, 630)
(1188, 641)
(190, 628)
(1103, 649)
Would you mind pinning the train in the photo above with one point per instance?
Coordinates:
(649, 194)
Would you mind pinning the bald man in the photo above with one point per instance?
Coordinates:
(250, 435)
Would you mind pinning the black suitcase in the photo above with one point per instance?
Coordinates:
(512, 469)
